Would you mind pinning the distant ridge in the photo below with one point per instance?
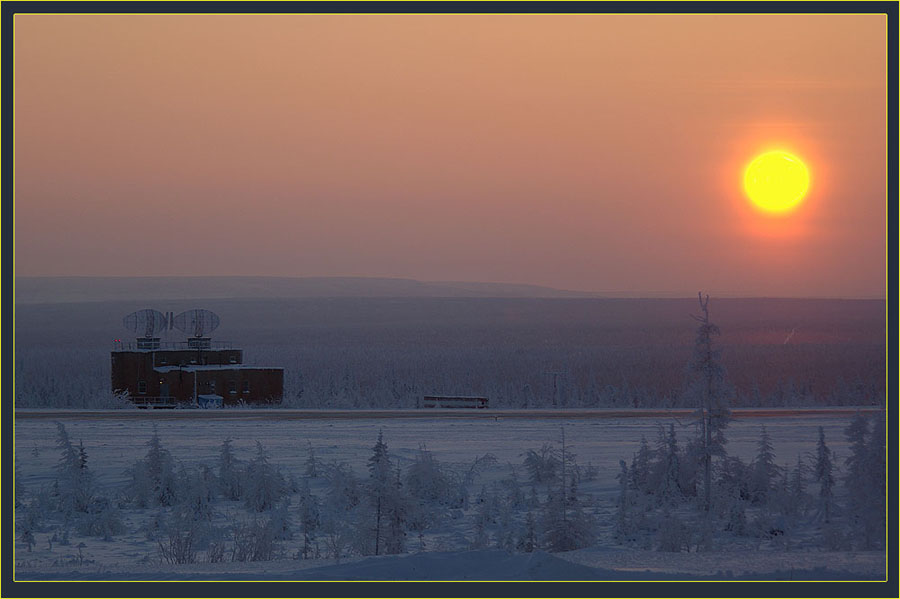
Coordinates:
(39, 290)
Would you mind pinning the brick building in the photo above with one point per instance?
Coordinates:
(193, 373)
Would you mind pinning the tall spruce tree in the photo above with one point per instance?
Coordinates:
(823, 473)
(708, 383)
(379, 483)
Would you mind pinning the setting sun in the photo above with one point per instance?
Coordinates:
(776, 181)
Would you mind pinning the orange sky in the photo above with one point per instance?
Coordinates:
(600, 152)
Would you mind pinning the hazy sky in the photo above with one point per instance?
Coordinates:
(597, 153)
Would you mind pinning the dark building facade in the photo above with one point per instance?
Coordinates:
(191, 373)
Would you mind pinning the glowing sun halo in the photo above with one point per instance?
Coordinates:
(776, 181)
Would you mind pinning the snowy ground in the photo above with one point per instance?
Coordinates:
(114, 444)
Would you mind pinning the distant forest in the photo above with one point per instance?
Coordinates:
(518, 352)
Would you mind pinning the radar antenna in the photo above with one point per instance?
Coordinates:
(196, 322)
(146, 323)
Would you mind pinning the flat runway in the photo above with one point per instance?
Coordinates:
(287, 414)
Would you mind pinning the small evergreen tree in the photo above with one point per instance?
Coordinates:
(528, 540)
(624, 514)
(640, 467)
(309, 517)
(823, 472)
(312, 464)
(74, 482)
(153, 480)
(667, 476)
(395, 509)
(379, 482)
(265, 485)
(876, 476)
(230, 472)
(764, 470)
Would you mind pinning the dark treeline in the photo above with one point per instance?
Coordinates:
(350, 352)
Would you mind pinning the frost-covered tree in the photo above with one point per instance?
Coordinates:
(432, 490)
(395, 512)
(102, 520)
(673, 535)
(865, 481)
(153, 480)
(20, 487)
(528, 539)
(197, 490)
(708, 385)
(641, 464)
(764, 471)
(855, 481)
(566, 524)
(667, 468)
(428, 481)
(379, 487)
(312, 463)
(264, 484)
(877, 476)
(309, 518)
(823, 470)
(379, 481)
(733, 479)
(625, 508)
(797, 498)
(542, 465)
(74, 487)
(231, 473)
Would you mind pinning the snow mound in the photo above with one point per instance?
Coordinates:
(460, 565)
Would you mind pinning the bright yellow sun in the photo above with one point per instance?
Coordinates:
(776, 181)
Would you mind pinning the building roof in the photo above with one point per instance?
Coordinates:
(206, 367)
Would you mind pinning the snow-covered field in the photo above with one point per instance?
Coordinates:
(114, 444)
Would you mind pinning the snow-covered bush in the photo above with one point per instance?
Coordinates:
(103, 519)
(542, 465)
(673, 535)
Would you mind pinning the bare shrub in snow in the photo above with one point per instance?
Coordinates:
(180, 539)
(255, 540)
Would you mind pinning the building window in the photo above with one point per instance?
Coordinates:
(232, 387)
(212, 386)
(142, 386)
(246, 387)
